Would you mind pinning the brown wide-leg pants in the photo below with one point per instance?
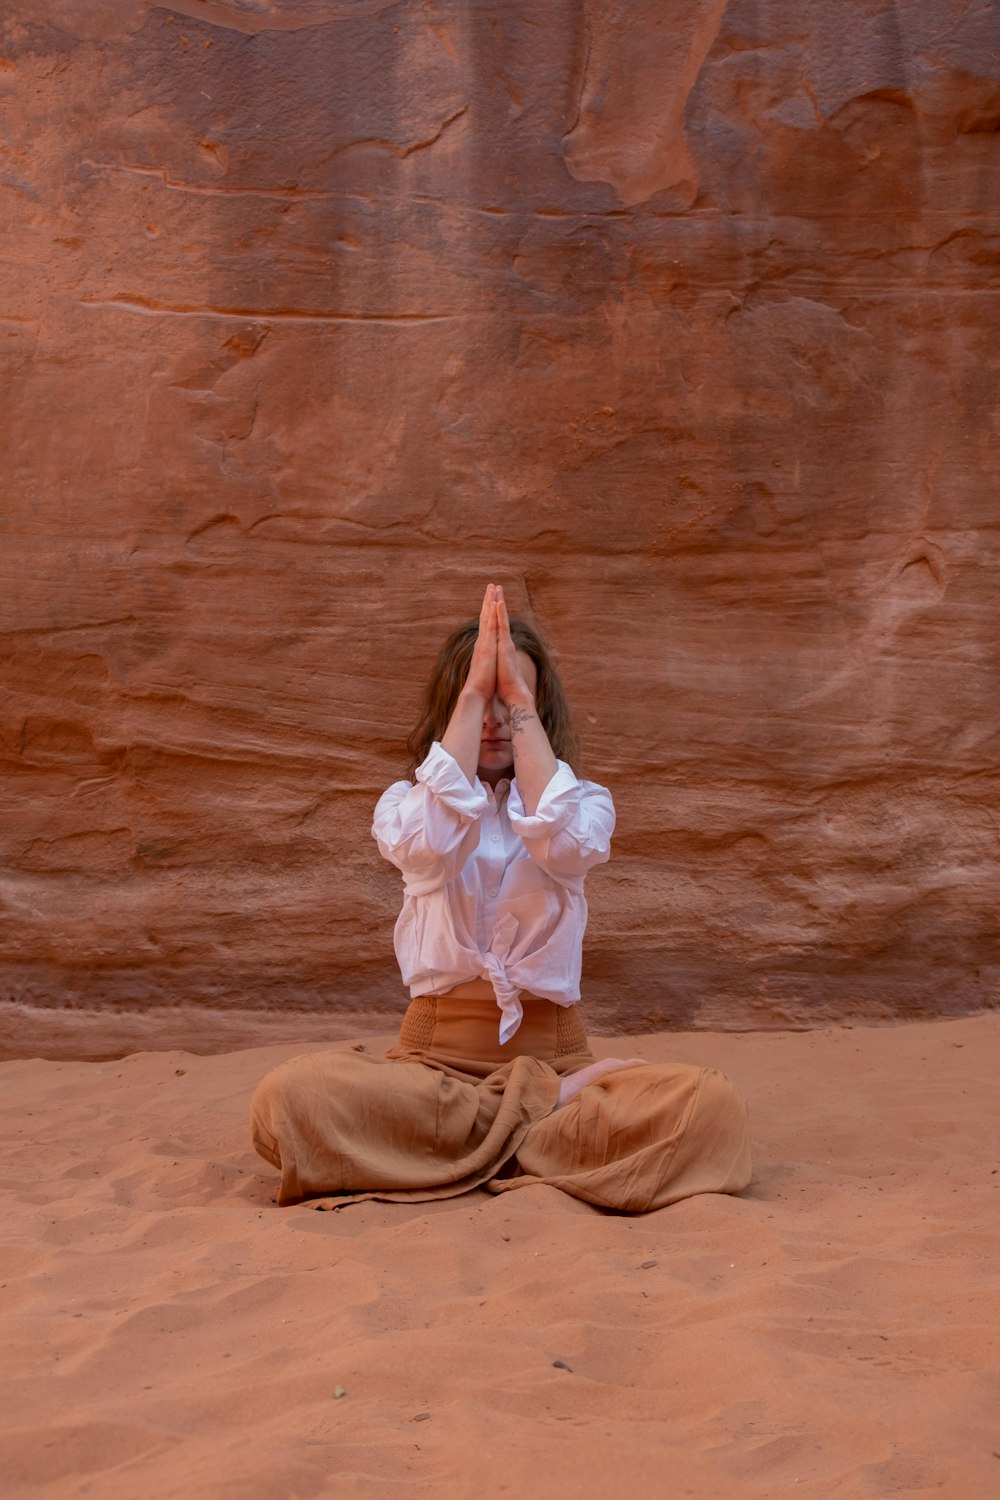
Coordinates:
(448, 1109)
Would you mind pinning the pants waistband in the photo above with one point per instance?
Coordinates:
(470, 989)
(464, 1023)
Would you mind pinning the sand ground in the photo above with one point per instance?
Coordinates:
(832, 1332)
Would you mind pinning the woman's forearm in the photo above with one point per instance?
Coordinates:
(465, 728)
(534, 762)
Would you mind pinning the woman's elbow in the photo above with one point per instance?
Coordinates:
(564, 860)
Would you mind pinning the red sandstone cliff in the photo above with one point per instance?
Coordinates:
(678, 319)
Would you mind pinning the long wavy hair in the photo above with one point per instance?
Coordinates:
(448, 678)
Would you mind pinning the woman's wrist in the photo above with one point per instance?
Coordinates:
(470, 697)
(522, 700)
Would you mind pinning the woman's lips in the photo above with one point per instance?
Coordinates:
(494, 744)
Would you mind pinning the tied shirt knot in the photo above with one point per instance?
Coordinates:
(495, 964)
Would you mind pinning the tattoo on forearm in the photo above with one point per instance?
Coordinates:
(518, 718)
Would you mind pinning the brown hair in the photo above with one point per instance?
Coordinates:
(448, 677)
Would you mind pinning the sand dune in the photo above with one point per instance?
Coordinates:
(831, 1333)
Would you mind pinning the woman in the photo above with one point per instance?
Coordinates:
(492, 1082)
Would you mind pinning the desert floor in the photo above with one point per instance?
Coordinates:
(832, 1332)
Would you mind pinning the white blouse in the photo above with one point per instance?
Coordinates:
(488, 891)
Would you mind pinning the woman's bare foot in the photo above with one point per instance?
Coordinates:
(571, 1086)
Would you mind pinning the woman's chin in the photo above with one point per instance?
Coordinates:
(495, 768)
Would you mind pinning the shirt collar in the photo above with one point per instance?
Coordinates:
(498, 796)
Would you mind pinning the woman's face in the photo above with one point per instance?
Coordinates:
(496, 758)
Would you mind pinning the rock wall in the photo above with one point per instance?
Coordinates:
(680, 319)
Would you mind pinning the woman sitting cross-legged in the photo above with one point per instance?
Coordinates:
(492, 1082)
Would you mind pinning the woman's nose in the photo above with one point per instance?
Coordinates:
(495, 714)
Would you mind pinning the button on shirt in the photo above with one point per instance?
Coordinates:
(490, 892)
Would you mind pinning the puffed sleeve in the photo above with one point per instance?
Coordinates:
(571, 828)
(429, 830)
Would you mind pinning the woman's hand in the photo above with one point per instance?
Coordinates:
(482, 678)
(575, 1083)
(534, 763)
(464, 733)
(511, 686)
